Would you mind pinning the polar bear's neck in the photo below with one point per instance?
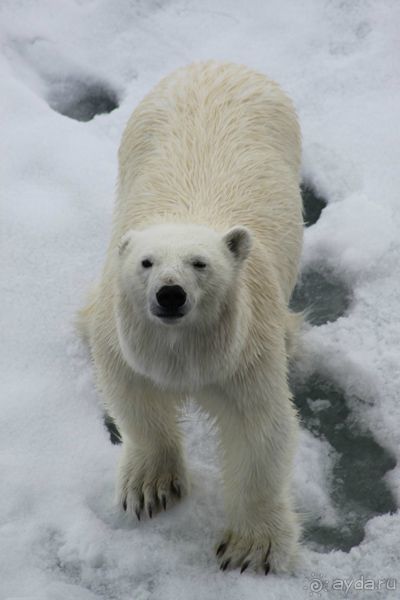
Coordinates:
(184, 359)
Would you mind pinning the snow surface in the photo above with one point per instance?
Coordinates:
(60, 536)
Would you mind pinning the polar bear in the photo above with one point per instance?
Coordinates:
(193, 300)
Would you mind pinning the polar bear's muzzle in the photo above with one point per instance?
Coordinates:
(171, 303)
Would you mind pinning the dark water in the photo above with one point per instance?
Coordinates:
(323, 295)
(115, 437)
(319, 291)
(359, 491)
(313, 204)
(82, 100)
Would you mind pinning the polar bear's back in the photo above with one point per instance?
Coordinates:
(217, 144)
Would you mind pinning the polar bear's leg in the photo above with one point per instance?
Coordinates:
(258, 429)
(151, 472)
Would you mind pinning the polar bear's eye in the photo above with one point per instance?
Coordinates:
(146, 263)
(199, 264)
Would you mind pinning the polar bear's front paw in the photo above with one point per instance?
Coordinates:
(150, 487)
(236, 551)
(265, 552)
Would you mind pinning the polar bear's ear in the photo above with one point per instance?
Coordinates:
(239, 241)
(125, 240)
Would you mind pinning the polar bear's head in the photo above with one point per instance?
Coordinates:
(181, 274)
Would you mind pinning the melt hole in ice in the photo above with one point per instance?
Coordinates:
(313, 204)
(322, 294)
(82, 100)
(358, 489)
(112, 429)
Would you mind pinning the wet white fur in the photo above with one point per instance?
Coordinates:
(212, 147)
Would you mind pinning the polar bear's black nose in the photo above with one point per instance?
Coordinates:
(171, 297)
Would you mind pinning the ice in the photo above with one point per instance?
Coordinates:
(61, 537)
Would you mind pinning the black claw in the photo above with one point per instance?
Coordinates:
(267, 553)
(267, 568)
(150, 510)
(141, 502)
(137, 512)
(177, 489)
(244, 566)
(164, 501)
(225, 564)
(124, 505)
(221, 549)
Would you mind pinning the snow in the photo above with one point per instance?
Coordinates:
(61, 538)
